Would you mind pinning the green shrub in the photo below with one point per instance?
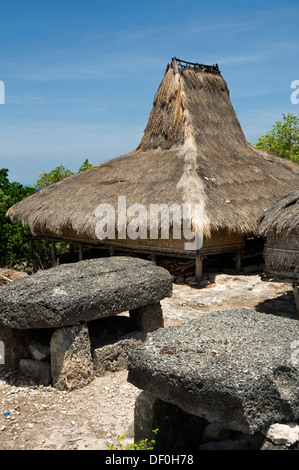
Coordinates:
(144, 444)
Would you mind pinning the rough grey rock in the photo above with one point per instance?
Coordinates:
(16, 344)
(38, 350)
(71, 360)
(283, 434)
(237, 367)
(113, 357)
(130, 431)
(177, 430)
(268, 445)
(216, 432)
(148, 318)
(37, 370)
(79, 292)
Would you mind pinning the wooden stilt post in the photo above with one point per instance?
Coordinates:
(30, 248)
(80, 252)
(153, 257)
(238, 261)
(53, 253)
(198, 268)
(296, 295)
(112, 251)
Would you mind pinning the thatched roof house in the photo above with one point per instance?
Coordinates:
(193, 152)
(280, 225)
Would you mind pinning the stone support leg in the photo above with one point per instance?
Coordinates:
(71, 360)
(148, 318)
(177, 430)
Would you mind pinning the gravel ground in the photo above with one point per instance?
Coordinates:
(45, 418)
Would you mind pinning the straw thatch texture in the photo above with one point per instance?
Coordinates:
(193, 151)
(282, 217)
(280, 224)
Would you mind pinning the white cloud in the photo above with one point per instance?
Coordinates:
(111, 66)
(276, 50)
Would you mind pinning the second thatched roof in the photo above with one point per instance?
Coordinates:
(193, 151)
(282, 217)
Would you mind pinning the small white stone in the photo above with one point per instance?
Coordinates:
(285, 434)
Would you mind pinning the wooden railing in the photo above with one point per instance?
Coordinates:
(183, 65)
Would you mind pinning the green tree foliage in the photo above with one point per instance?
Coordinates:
(14, 244)
(86, 165)
(59, 173)
(283, 139)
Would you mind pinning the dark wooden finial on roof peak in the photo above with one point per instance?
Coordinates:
(180, 65)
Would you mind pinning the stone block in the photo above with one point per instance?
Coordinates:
(39, 371)
(16, 346)
(38, 350)
(177, 430)
(113, 356)
(148, 317)
(71, 360)
(71, 293)
(237, 367)
(285, 434)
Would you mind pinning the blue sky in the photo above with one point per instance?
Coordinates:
(80, 76)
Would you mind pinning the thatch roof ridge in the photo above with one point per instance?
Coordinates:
(193, 150)
(282, 217)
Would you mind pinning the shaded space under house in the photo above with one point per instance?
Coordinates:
(280, 226)
(193, 152)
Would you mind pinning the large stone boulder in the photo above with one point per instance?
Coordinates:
(68, 294)
(238, 368)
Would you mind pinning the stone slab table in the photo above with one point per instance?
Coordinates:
(59, 302)
(238, 368)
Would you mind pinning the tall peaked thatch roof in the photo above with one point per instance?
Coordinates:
(193, 151)
(282, 217)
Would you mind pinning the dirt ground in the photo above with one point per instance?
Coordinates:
(34, 417)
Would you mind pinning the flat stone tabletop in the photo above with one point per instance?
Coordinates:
(237, 367)
(79, 292)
